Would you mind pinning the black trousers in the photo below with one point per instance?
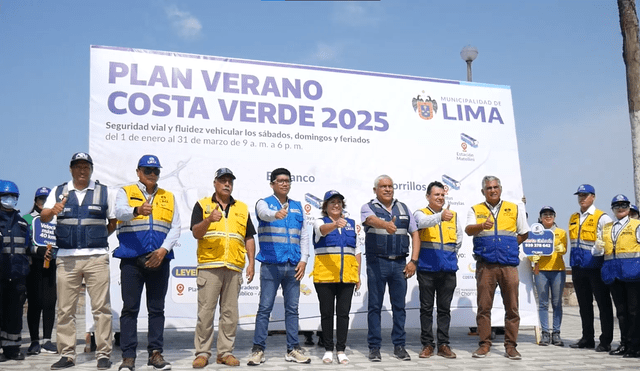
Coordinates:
(625, 297)
(435, 286)
(334, 296)
(12, 295)
(588, 284)
(41, 296)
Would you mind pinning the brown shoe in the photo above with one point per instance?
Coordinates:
(427, 351)
(229, 360)
(445, 351)
(481, 352)
(512, 353)
(201, 361)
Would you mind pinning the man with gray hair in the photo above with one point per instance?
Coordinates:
(498, 227)
(388, 223)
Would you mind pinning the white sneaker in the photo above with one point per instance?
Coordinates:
(256, 358)
(342, 358)
(328, 357)
(296, 355)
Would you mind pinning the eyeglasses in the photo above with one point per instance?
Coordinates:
(282, 181)
(620, 207)
(150, 170)
(547, 214)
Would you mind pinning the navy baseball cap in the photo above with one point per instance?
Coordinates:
(332, 193)
(81, 156)
(620, 199)
(586, 188)
(224, 171)
(149, 161)
(42, 191)
(547, 208)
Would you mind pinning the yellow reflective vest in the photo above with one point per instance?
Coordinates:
(554, 262)
(223, 244)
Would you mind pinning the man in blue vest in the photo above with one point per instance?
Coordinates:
(148, 230)
(498, 227)
(284, 249)
(388, 224)
(83, 211)
(441, 238)
(15, 242)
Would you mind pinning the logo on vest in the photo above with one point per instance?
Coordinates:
(93, 207)
(426, 108)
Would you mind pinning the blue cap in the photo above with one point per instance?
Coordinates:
(149, 161)
(586, 188)
(332, 193)
(224, 171)
(81, 156)
(9, 187)
(620, 199)
(547, 208)
(42, 191)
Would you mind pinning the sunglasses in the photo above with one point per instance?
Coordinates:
(150, 170)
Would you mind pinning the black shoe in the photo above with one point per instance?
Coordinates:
(619, 351)
(631, 354)
(545, 339)
(104, 364)
(556, 340)
(64, 362)
(3, 358)
(374, 355)
(34, 348)
(16, 356)
(583, 343)
(400, 353)
(603, 348)
(48, 347)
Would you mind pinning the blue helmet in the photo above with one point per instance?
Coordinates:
(7, 186)
(620, 198)
(635, 208)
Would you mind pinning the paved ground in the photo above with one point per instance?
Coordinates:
(179, 351)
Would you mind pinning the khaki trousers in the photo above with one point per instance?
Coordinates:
(70, 272)
(488, 277)
(217, 283)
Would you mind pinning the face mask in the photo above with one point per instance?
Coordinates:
(9, 201)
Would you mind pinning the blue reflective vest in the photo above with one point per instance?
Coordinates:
(499, 244)
(144, 234)
(438, 246)
(583, 237)
(15, 240)
(279, 240)
(378, 241)
(83, 226)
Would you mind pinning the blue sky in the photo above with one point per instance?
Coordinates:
(562, 59)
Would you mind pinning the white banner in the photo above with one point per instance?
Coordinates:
(332, 128)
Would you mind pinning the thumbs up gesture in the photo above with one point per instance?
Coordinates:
(59, 206)
(391, 226)
(446, 214)
(488, 224)
(282, 213)
(215, 215)
(145, 209)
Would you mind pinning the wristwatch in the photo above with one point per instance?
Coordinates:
(415, 262)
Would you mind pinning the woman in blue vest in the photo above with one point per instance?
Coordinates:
(336, 271)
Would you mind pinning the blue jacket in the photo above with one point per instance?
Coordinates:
(15, 242)
(280, 239)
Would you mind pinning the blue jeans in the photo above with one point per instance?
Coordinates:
(554, 281)
(133, 279)
(271, 277)
(381, 272)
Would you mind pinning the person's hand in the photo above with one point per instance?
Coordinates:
(559, 248)
(300, 270)
(59, 206)
(282, 213)
(598, 248)
(145, 209)
(409, 270)
(391, 226)
(340, 223)
(534, 258)
(155, 258)
(215, 215)
(446, 214)
(250, 272)
(488, 224)
(358, 285)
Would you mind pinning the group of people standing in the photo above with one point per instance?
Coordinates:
(398, 244)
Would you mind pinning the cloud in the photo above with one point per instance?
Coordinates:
(354, 14)
(187, 26)
(325, 53)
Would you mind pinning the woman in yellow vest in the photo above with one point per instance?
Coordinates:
(551, 277)
(336, 271)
